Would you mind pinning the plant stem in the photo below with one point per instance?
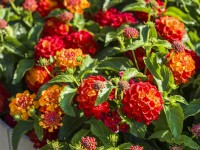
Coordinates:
(14, 8)
(121, 42)
(75, 81)
(135, 60)
(48, 71)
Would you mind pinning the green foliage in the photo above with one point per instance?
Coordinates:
(78, 136)
(101, 131)
(175, 117)
(20, 129)
(162, 75)
(22, 67)
(70, 125)
(104, 93)
(66, 98)
(132, 73)
(38, 129)
(193, 108)
(111, 63)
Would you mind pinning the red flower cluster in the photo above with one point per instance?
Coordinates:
(83, 40)
(142, 102)
(88, 143)
(182, 66)
(114, 122)
(170, 28)
(113, 17)
(55, 26)
(87, 95)
(196, 58)
(46, 6)
(48, 46)
(136, 147)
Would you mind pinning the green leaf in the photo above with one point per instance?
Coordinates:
(88, 67)
(79, 21)
(78, 136)
(56, 12)
(176, 12)
(178, 98)
(38, 129)
(175, 118)
(66, 98)
(110, 36)
(34, 34)
(70, 125)
(111, 3)
(62, 78)
(187, 141)
(100, 130)
(132, 73)
(161, 123)
(152, 30)
(115, 64)
(133, 46)
(162, 135)
(14, 46)
(137, 129)
(22, 67)
(125, 146)
(162, 43)
(20, 129)
(4, 13)
(162, 74)
(108, 52)
(193, 108)
(137, 7)
(104, 93)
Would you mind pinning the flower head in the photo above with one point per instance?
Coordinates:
(69, 58)
(88, 143)
(51, 120)
(87, 95)
(130, 32)
(143, 102)
(76, 6)
(178, 46)
(45, 6)
(136, 147)
(49, 99)
(114, 122)
(30, 5)
(196, 130)
(170, 28)
(55, 26)
(182, 66)
(83, 40)
(176, 147)
(23, 104)
(195, 57)
(113, 17)
(3, 24)
(36, 77)
(48, 46)
(66, 16)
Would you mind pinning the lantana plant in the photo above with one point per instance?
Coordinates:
(101, 74)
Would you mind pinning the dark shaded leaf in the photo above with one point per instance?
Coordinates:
(23, 66)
